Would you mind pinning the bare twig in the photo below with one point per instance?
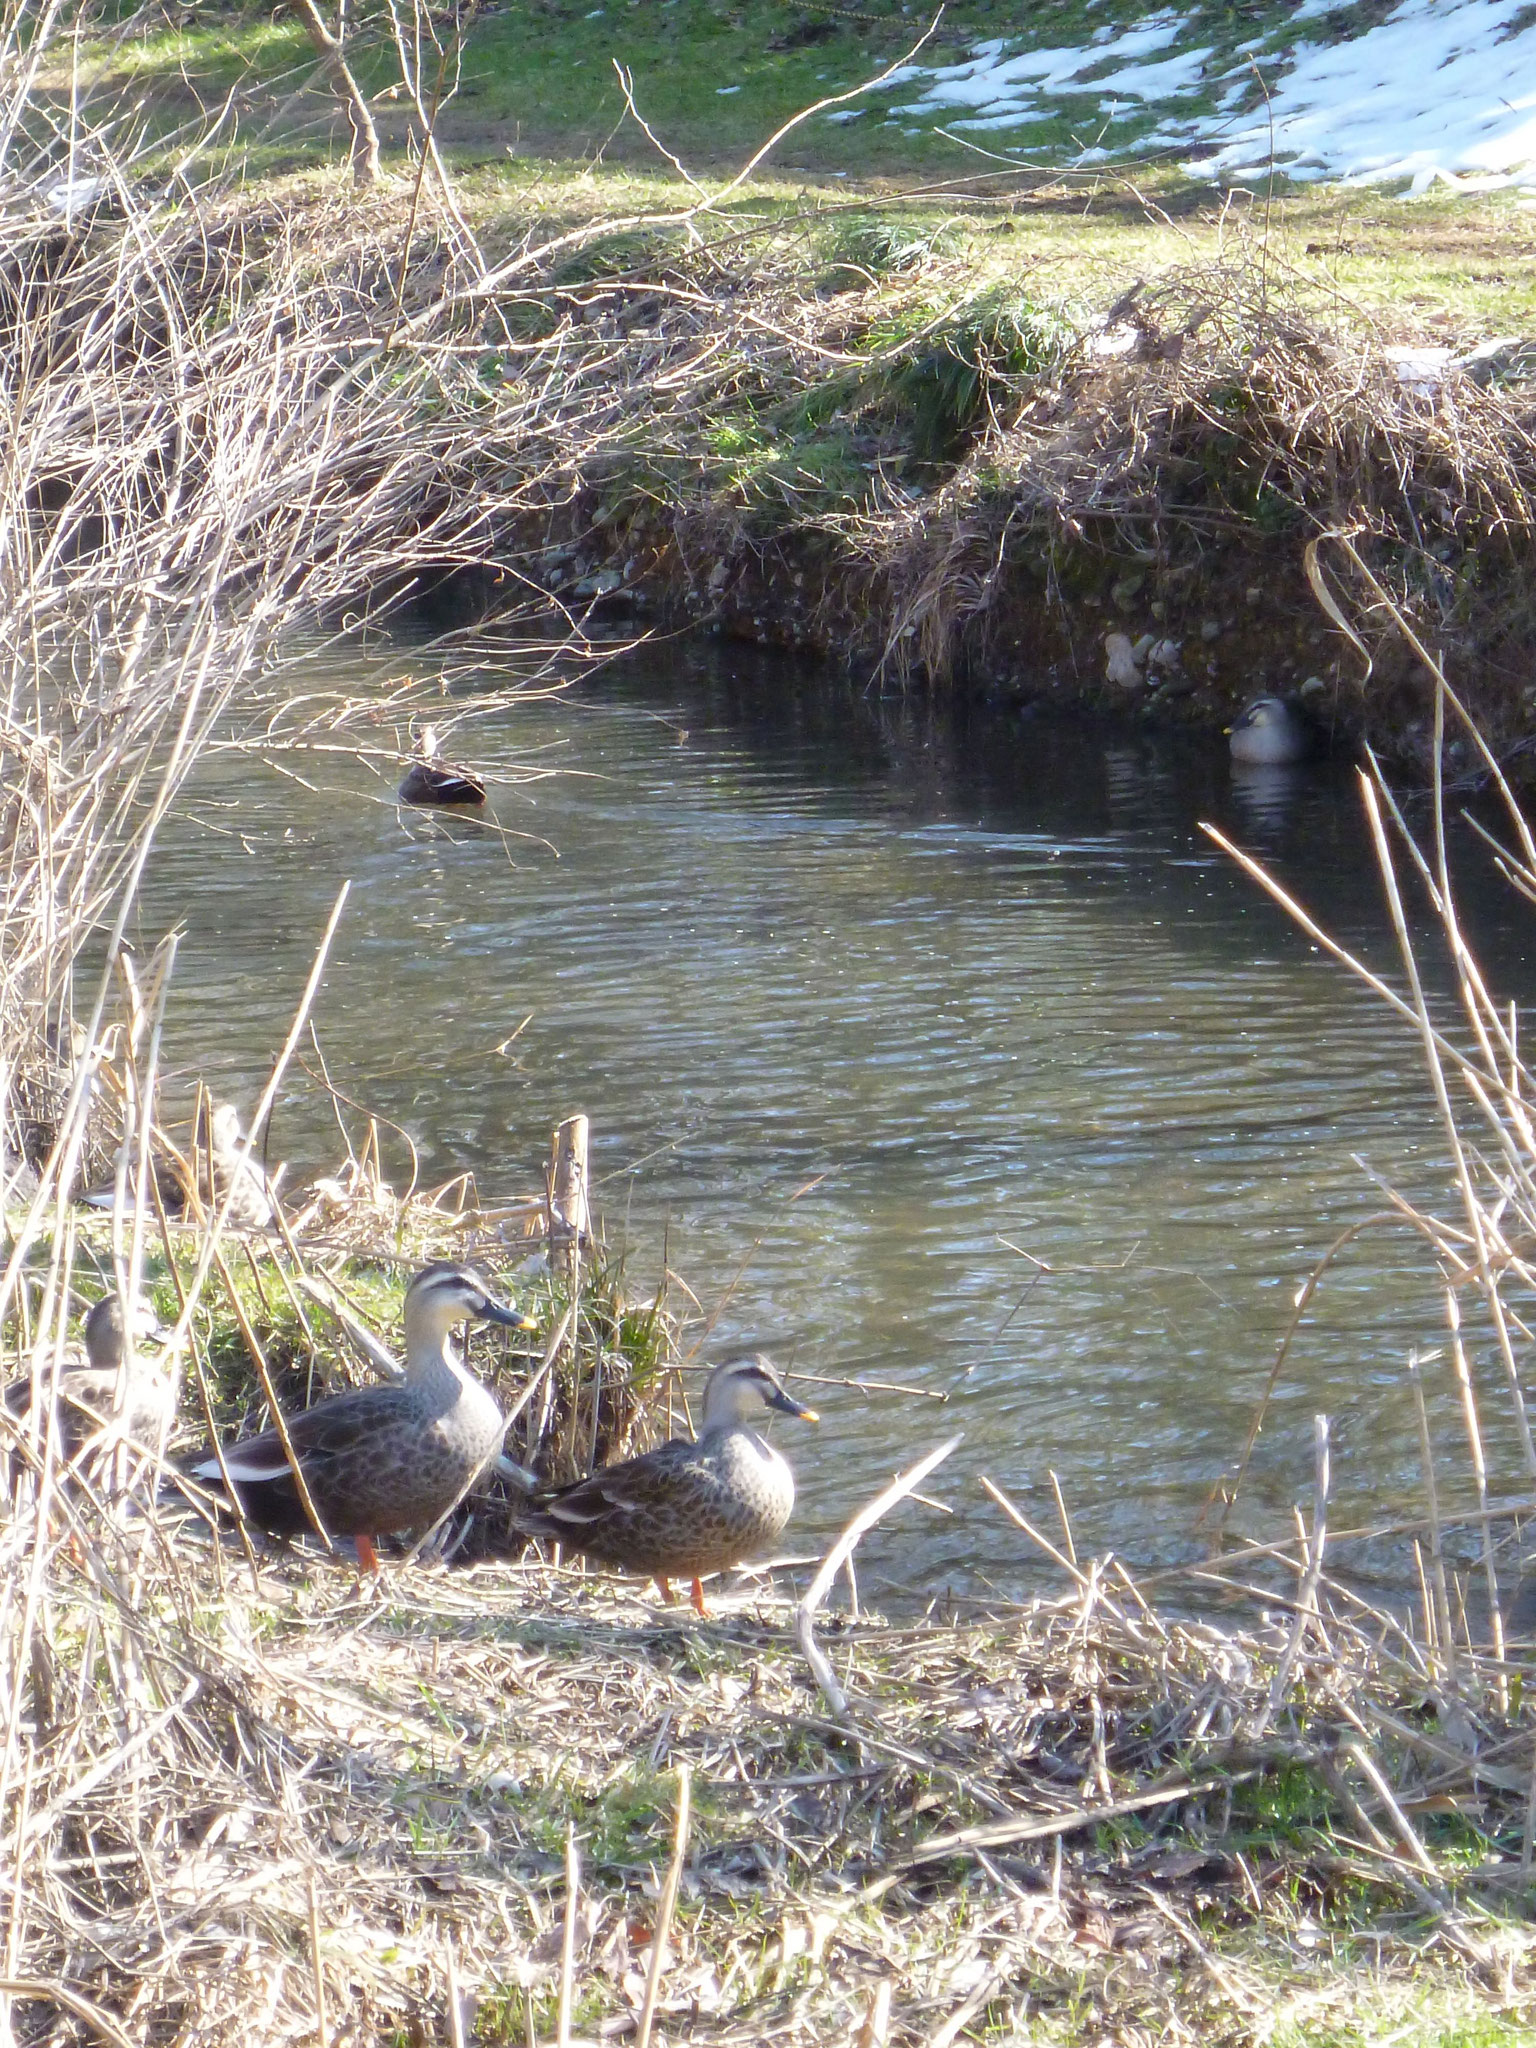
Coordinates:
(666, 1906)
(837, 1556)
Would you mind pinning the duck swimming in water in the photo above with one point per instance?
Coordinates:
(1270, 732)
(432, 781)
(685, 1509)
(380, 1459)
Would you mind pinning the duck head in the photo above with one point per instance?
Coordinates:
(104, 1331)
(446, 1293)
(735, 1393)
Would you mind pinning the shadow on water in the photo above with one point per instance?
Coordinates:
(945, 1026)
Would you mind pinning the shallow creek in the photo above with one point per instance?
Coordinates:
(876, 1006)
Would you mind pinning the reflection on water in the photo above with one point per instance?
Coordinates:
(949, 1033)
(1266, 794)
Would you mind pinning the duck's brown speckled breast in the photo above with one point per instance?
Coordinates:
(407, 1469)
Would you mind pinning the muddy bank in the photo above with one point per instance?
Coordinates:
(1166, 640)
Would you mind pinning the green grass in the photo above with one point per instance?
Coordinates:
(538, 128)
(714, 78)
(1431, 2018)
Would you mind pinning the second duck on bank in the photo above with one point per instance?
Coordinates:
(686, 1509)
(103, 1400)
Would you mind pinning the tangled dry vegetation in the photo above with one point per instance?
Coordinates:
(507, 1805)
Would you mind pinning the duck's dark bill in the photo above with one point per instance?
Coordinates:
(788, 1405)
(510, 1318)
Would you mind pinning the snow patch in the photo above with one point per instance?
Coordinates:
(998, 82)
(1441, 92)
(1440, 87)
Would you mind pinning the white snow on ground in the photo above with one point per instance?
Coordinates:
(1440, 87)
(1442, 90)
(1001, 88)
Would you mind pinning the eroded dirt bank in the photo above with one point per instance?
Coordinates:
(1168, 506)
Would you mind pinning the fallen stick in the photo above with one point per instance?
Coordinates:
(50, 1990)
(1039, 1827)
(568, 1938)
(837, 1556)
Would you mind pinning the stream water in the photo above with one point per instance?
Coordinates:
(945, 1034)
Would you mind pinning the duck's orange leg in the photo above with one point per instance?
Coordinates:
(698, 1597)
(367, 1556)
(665, 1588)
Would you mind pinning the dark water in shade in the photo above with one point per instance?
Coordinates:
(859, 996)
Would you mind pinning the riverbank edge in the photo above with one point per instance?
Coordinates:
(1137, 638)
(444, 1805)
(1161, 512)
(859, 433)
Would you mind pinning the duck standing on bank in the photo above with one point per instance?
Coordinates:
(108, 1398)
(686, 1509)
(380, 1459)
(1270, 733)
(432, 781)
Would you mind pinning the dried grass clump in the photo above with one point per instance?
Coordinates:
(1219, 407)
(452, 1807)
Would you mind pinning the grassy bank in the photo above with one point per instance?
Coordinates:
(370, 1812)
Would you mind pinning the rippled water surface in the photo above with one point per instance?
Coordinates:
(949, 1033)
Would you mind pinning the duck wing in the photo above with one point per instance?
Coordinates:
(619, 1497)
(341, 1445)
